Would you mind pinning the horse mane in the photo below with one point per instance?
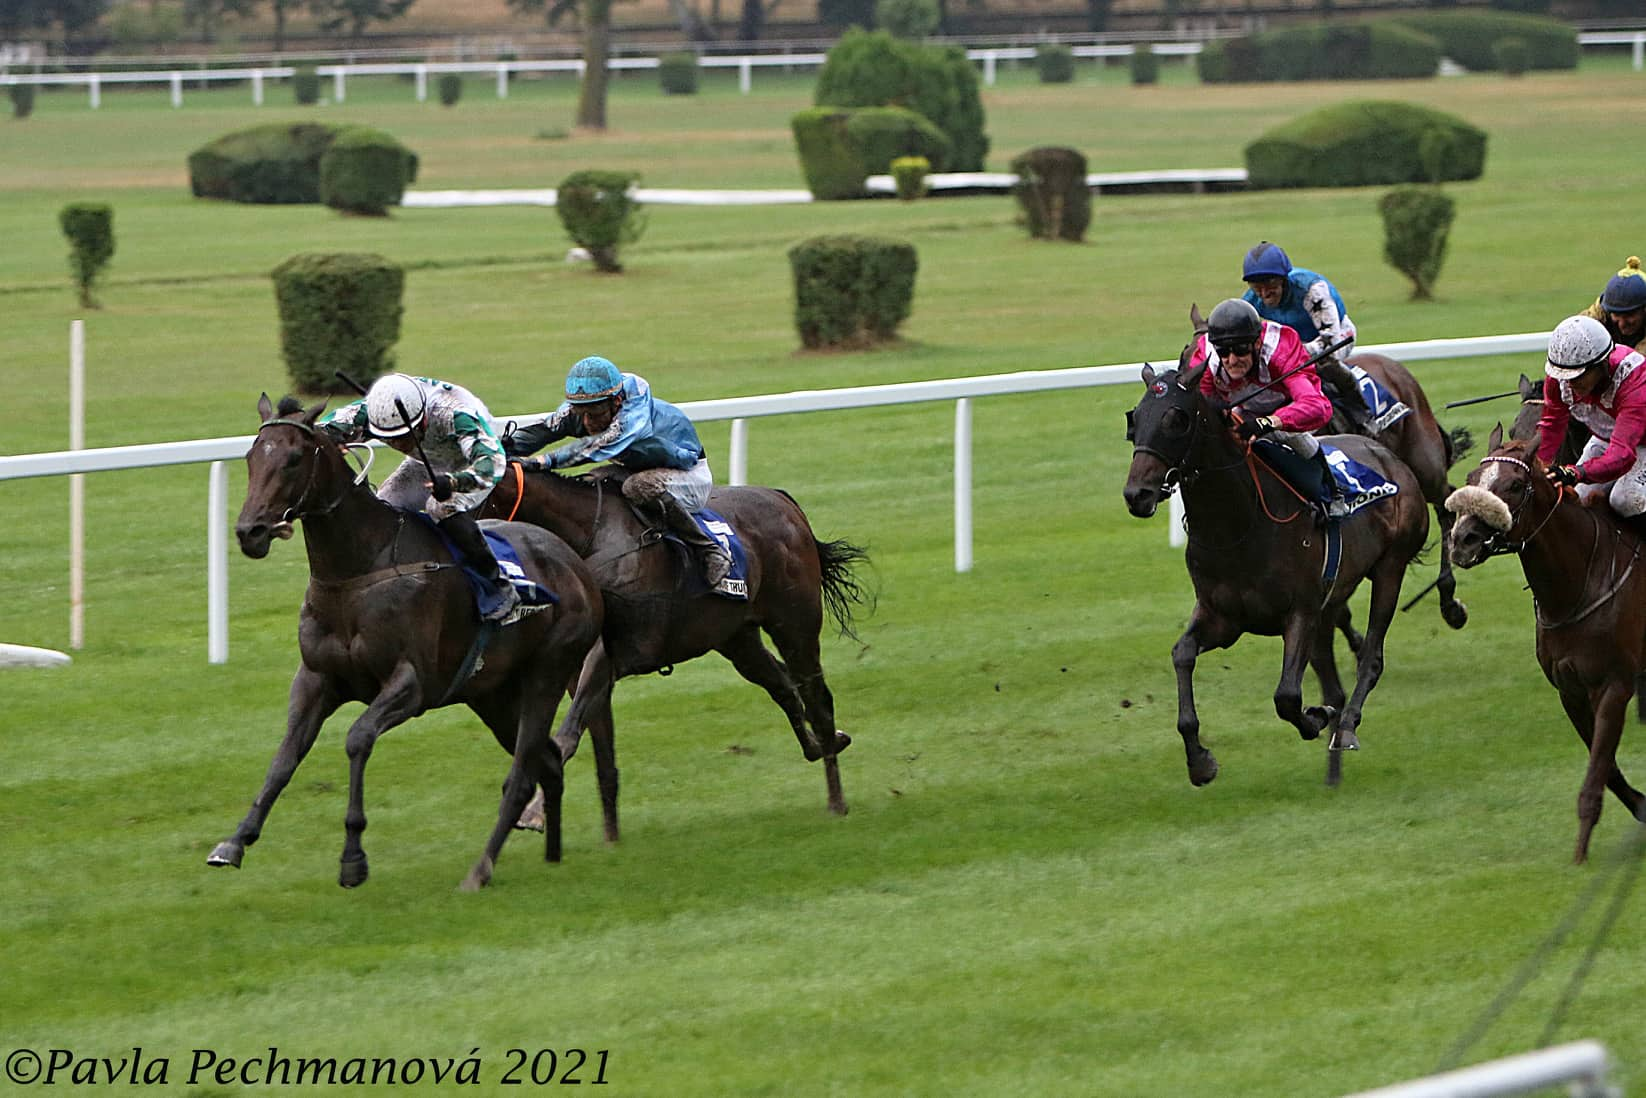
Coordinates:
(289, 405)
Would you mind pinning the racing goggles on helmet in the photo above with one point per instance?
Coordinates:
(1235, 347)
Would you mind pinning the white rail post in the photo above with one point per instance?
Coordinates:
(988, 68)
(1640, 50)
(963, 485)
(422, 83)
(176, 89)
(77, 486)
(217, 566)
(257, 87)
(338, 91)
(502, 80)
(739, 471)
(745, 71)
(95, 86)
(1176, 536)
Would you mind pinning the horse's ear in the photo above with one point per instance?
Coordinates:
(1190, 380)
(1196, 319)
(1527, 389)
(265, 409)
(314, 412)
(1148, 374)
(1496, 438)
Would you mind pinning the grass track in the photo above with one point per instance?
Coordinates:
(1028, 898)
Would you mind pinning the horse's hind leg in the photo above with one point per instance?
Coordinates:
(400, 699)
(312, 701)
(1599, 720)
(1452, 609)
(1386, 576)
(1301, 640)
(537, 764)
(796, 642)
(749, 655)
(591, 709)
(1346, 625)
(1323, 660)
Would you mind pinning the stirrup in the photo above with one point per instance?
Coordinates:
(716, 567)
(510, 603)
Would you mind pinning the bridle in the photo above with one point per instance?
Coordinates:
(1498, 543)
(298, 510)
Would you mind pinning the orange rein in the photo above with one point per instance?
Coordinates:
(519, 488)
(1251, 466)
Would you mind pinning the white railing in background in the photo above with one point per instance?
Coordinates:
(989, 57)
(738, 410)
(1582, 1065)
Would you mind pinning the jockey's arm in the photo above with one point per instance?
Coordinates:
(1628, 432)
(632, 423)
(1330, 324)
(483, 452)
(556, 425)
(1551, 425)
(1308, 409)
(347, 423)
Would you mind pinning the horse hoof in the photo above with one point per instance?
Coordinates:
(1203, 772)
(352, 874)
(1455, 614)
(1344, 739)
(228, 852)
(841, 741)
(479, 877)
(1315, 718)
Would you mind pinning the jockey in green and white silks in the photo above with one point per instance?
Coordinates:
(1309, 304)
(450, 427)
(614, 417)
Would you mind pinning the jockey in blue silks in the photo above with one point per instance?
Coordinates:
(615, 418)
(1308, 303)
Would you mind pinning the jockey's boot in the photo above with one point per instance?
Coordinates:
(470, 542)
(714, 560)
(1333, 507)
(1348, 390)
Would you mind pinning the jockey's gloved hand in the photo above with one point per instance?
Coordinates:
(440, 487)
(1249, 429)
(1563, 475)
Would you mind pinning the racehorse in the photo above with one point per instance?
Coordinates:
(1588, 586)
(389, 620)
(654, 619)
(1428, 449)
(1258, 571)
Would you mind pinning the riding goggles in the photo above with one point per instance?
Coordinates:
(1237, 347)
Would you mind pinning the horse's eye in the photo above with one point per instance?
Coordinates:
(1176, 421)
(1131, 426)
(293, 460)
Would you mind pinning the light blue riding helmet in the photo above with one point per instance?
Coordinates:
(1265, 261)
(592, 379)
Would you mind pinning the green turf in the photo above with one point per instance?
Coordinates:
(1028, 897)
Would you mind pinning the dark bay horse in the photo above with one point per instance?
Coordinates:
(1531, 410)
(654, 618)
(1588, 582)
(389, 620)
(1256, 556)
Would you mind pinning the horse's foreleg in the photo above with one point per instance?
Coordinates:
(1452, 609)
(1610, 705)
(1346, 625)
(591, 709)
(537, 765)
(1579, 712)
(400, 698)
(312, 701)
(1202, 763)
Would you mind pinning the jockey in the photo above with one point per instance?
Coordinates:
(616, 418)
(1244, 352)
(1602, 385)
(1307, 302)
(1622, 306)
(449, 426)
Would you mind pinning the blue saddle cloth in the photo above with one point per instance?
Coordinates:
(1362, 486)
(736, 583)
(486, 598)
(1386, 410)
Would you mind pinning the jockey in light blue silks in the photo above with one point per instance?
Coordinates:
(1307, 302)
(615, 418)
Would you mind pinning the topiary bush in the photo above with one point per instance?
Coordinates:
(1055, 62)
(450, 88)
(1361, 142)
(280, 163)
(677, 73)
(851, 291)
(1051, 189)
(1511, 56)
(1145, 64)
(365, 171)
(1416, 223)
(839, 149)
(1322, 51)
(907, 18)
(1467, 37)
(90, 229)
(305, 85)
(909, 173)
(600, 214)
(874, 69)
(22, 100)
(338, 311)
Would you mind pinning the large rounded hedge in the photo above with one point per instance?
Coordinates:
(1468, 37)
(1365, 142)
(278, 163)
(1322, 51)
(840, 148)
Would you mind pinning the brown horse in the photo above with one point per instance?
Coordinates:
(1258, 571)
(654, 619)
(389, 620)
(1531, 411)
(1589, 589)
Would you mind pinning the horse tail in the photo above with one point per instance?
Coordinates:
(1459, 440)
(841, 587)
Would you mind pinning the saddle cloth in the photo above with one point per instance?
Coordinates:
(1360, 485)
(533, 596)
(1386, 410)
(736, 583)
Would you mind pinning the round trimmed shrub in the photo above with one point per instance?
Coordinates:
(677, 73)
(1383, 50)
(1511, 55)
(365, 171)
(1055, 62)
(338, 311)
(1363, 142)
(89, 227)
(1145, 64)
(851, 291)
(1416, 223)
(840, 149)
(1467, 37)
(276, 164)
(599, 213)
(909, 173)
(1051, 189)
(22, 100)
(305, 85)
(450, 88)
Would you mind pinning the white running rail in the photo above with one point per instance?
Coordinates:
(1582, 1065)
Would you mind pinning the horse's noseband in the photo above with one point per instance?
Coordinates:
(1498, 542)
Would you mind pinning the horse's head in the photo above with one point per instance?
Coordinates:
(1531, 410)
(1162, 429)
(282, 468)
(1495, 508)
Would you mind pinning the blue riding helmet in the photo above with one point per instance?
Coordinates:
(592, 379)
(1265, 261)
(1626, 291)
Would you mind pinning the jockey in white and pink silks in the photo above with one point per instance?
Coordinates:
(1603, 386)
(1243, 352)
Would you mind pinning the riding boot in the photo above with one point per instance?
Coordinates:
(714, 560)
(1332, 504)
(1348, 390)
(471, 543)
